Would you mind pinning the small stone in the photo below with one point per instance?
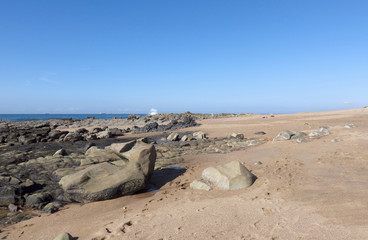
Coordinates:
(237, 135)
(259, 133)
(60, 152)
(258, 163)
(64, 236)
(301, 140)
(13, 208)
(199, 185)
(350, 125)
(186, 138)
(199, 135)
(336, 140)
(284, 135)
(173, 137)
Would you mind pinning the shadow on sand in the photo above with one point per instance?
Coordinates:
(162, 176)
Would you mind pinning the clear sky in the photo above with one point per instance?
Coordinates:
(74, 56)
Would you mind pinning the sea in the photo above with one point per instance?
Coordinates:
(46, 116)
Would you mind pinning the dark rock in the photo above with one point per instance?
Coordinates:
(116, 132)
(37, 199)
(81, 131)
(12, 208)
(27, 139)
(259, 133)
(73, 137)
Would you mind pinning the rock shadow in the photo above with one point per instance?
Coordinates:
(162, 176)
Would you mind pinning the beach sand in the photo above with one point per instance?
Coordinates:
(313, 190)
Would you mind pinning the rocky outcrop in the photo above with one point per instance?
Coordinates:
(229, 176)
(173, 125)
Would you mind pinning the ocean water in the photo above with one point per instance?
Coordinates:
(36, 117)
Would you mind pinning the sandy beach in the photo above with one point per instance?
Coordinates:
(310, 190)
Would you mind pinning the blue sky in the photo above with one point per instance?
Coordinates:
(201, 56)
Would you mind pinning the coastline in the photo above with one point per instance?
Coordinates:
(309, 190)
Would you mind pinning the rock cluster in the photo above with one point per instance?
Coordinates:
(173, 125)
(48, 182)
(41, 131)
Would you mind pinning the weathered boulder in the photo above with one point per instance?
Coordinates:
(173, 137)
(199, 185)
(103, 181)
(229, 176)
(120, 170)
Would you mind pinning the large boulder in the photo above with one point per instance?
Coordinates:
(229, 176)
(103, 181)
(120, 170)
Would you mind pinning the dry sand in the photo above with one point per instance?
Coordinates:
(314, 190)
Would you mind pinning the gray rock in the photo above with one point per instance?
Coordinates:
(103, 181)
(284, 135)
(35, 200)
(199, 135)
(301, 140)
(173, 137)
(229, 176)
(322, 131)
(187, 138)
(12, 208)
(259, 133)
(350, 125)
(64, 236)
(116, 132)
(104, 134)
(73, 137)
(52, 207)
(298, 135)
(199, 185)
(237, 135)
